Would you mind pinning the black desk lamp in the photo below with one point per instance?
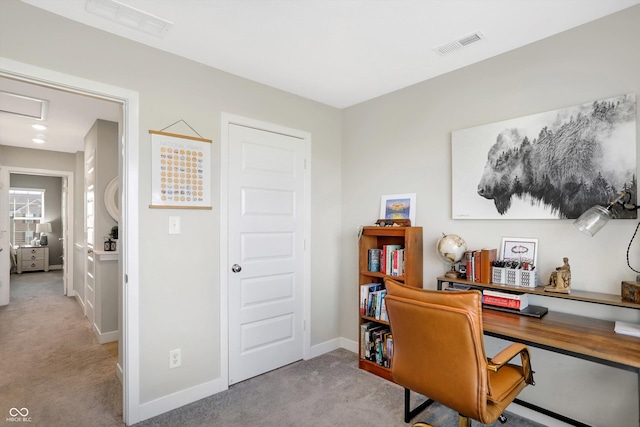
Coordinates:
(596, 217)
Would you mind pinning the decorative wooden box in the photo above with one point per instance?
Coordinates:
(631, 291)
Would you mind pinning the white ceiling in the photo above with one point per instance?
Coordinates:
(69, 118)
(338, 52)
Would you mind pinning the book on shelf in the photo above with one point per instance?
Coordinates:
(365, 291)
(374, 305)
(383, 311)
(504, 299)
(370, 336)
(627, 328)
(378, 344)
(386, 258)
(373, 263)
(398, 263)
(469, 265)
(379, 301)
(478, 264)
(487, 257)
(366, 329)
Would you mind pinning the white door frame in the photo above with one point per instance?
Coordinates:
(226, 120)
(129, 147)
(67, 265)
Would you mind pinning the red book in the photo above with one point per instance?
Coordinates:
(501, 302)
(468, 257)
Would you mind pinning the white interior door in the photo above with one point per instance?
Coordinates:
(266, 251)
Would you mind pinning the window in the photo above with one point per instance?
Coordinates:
(26, 209)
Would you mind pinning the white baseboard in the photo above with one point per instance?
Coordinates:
(183, 397)
(55, 267)
(80, 302)
(105, 337)
(119, 372)
(325, 347)
(350, 345)
(334, 344)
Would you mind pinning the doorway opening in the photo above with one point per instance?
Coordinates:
(128, 229)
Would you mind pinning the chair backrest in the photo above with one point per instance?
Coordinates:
(438, 346)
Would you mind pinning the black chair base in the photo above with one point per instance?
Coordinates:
(410, 413)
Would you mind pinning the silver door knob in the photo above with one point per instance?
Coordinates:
(236, 268)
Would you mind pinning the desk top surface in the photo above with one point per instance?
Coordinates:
(586, 336)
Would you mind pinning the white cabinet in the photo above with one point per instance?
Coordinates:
(104, 295)
(32, 258)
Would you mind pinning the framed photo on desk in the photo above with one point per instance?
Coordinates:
(519, 249)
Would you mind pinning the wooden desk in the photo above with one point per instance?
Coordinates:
(577, 336)
(583, 337)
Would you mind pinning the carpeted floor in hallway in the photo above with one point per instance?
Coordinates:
(51, 363)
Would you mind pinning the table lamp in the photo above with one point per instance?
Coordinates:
(43, 227)
(596, 217)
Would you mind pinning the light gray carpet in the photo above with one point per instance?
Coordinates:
(328, 390)
(51, 364)
(50, 361)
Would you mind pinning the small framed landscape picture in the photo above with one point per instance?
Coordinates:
(398, 206)
(520, 250)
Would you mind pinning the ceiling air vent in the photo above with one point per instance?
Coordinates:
(126, 15)
(23, 106)
(459, 43)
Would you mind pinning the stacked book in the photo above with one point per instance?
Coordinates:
(503, 299)
(627, 328)
(376, 343)
(388, 260)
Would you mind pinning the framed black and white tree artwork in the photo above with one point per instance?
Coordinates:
(548, 165)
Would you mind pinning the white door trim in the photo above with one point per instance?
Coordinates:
(69, 289)
(130, 212)
(226, 120)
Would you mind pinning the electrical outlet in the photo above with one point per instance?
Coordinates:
(175, 358)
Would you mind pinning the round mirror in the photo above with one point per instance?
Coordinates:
(111, 199)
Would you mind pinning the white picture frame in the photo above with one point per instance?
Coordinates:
(519, 249)
(398, 206)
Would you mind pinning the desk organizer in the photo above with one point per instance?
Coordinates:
(514, 277)
(498, 275)
(527, 278)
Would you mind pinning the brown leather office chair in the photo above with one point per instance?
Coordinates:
(438, 351)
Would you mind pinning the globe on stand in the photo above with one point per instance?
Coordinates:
(450, 249)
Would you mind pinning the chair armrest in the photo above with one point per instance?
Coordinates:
(508, 353)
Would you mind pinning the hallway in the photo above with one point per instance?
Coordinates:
(51, 364)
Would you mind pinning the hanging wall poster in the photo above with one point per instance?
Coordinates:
(180, 171)
(553, 165)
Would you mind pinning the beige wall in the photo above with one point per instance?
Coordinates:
(179, 274)
(401, 143)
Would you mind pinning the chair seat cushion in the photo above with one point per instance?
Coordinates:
(504, 382)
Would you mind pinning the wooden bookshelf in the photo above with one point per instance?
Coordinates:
(410, 238)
